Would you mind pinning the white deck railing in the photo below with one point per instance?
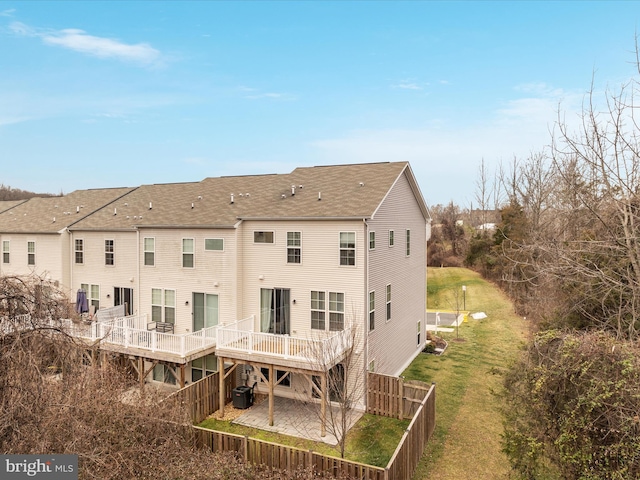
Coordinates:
(322, 351)
(128, 332)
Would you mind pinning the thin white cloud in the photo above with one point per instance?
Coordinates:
(271, 95)
(407, 86)
(101, 47)
(7, 13)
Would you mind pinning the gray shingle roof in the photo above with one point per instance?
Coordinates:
(53, 214)
(347, 191)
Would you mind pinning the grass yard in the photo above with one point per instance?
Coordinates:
(372, 440)
(466, 442)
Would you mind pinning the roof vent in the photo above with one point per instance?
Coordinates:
(199, 197)
(150, 205)
(78, 209)
(192, 205)
(319, 196)
(283, 196)
(232, 198)
(115, 211)
(246, 194)
(362, 184)
(293, 190)
(54, 219)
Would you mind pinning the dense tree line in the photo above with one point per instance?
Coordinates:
(9, 193)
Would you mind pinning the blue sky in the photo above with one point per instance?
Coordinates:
(105, 94)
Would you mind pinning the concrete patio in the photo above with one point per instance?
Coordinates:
(292, 417)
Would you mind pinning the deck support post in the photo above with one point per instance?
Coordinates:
(271, 400)
(221, 389)
(323, 405)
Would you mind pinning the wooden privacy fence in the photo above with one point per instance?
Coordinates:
(282, 457)
(388, 396)
(201, 397)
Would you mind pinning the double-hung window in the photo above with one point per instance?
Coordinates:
(372, 311)
(336, 311)
(79, 250)
(347, 248)
(318, 310)
(109, 252)
(149, 251)
(163, 305)
(6, 248)
(203, 367)
(388, 302)
(188, 252)
(294, 247)
(372, 240)
(31, 253)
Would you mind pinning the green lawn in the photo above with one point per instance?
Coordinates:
(466, 442)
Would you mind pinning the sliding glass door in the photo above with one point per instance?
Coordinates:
(275, 311)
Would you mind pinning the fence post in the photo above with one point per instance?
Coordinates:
(246, 448)
(401, 409)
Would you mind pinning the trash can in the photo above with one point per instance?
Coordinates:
(242, 397)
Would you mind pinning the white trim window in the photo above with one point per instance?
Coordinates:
(93, 294)
(109, 252)
(408, 240)
(348, 248)
(391, 239)
(79, 250)
(188, 252)
(163, 305)
(149, 251)
(388, 302)
(336, 311)
(214, 244)
(318, 310)
(372, 240)
(263, 237)
(6, 251)
(294, 247)
(419, 331)
(372, 311)
(31, 253)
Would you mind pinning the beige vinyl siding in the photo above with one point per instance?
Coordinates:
(48, 256)
(93, 270)
(319, 269)
(210, 267)
(394, 343)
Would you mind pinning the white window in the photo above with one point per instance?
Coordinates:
(93, 294)
(408, 242)
(318, 310)
(79, 250)
(294, 247)
(205, 310)
(214, 244)
(347, 248)
(31, 253)
(262, 237)
(336, 311)
(109, 252)
(372, 240)
(203, 367)
(419, 331)
(372, 311)
(188, 252)
(388, 302)
(162, 373)
(149, 251)
(391, 240)
(6, 247)
(163, 305)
